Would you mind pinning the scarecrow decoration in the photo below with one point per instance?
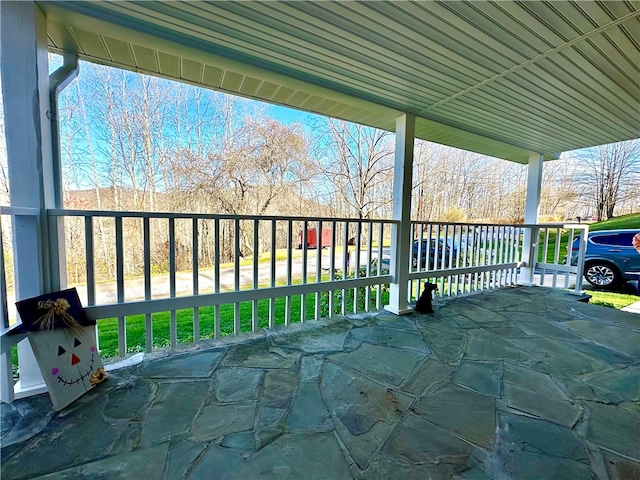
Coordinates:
(64, 344)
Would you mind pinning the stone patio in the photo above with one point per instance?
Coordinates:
(520, 383)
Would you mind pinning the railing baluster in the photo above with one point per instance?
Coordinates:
(513, 274)
(272, 275)
(501, 234)
(496, 256)
(367, 291)
(569, 254)
(345, 265)
(420, 254)
(507, 253)
(173, 321)
(556, 259)
(486, 258)
(440, 253)
(318, 269)
(430, 241)
(236, 275)
(195, 277)
(380, 250)
(545, 254)
(356, 272)
(486, 276)
(148, 319)
(478, 233)
(216, 276)
(457, 233)
(468, 251)
(256, 254)
(332, 266)
(287, 310)
(89, 260)
(450, 241)
(122, 330)
(517, 255)
(305, 245)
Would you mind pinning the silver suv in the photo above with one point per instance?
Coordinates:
(611, 257)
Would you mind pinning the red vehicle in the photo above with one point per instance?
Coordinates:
(312, 238)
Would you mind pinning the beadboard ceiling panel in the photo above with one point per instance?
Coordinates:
(503, 79)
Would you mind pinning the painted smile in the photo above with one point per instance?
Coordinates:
(69, 383)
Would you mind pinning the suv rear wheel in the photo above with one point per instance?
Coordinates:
(600, 274)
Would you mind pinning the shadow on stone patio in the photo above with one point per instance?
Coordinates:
(520, 383)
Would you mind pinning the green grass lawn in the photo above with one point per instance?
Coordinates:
(625, 221)
(161, 322)
(615, 300)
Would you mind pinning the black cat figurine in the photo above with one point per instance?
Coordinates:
(423, 305)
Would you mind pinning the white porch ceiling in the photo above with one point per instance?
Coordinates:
(499, 78)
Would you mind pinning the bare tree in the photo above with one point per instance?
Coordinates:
(358, 162)
(610, 173)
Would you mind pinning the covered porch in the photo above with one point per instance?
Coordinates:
(494, 378)
(519, 383)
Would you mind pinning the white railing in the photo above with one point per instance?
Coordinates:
(466, 257)
(238, 261)
(553, 253)
(227, 275)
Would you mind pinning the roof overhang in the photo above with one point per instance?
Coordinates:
(504, 79)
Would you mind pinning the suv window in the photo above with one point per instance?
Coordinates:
(619, 239)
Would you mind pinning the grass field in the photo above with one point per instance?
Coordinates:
(615, 300)
(161, 322)
(625, 221)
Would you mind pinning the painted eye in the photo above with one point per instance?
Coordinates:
(76, 342)
(61, 351)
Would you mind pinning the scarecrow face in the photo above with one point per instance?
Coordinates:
(76, 360)
(70, 362)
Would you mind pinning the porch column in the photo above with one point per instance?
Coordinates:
(25, 88)
(531, 209)
(401, 233)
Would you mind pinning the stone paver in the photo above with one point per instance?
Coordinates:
(218, 420)
(520, 383)
(200, 364)
(397, 367)
(483, 377)
(173, 410)
(465, 413)
(236, 384)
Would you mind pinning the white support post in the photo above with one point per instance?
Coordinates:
(401, 233)
(25, 85)
(532, 206)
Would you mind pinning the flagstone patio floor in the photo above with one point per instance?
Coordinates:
(520, 383)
